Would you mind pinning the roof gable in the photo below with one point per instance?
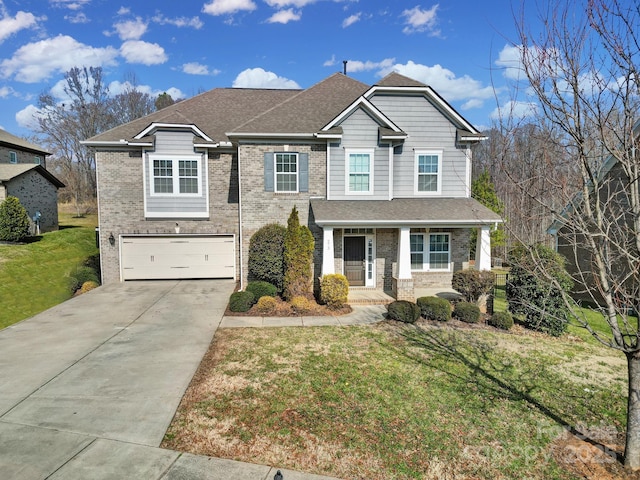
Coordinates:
(394, 79)
(10, 171)
(19, 143)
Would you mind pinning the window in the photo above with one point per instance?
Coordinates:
(286, 169)
(13, 157)
(175, 176)
(428, 172)
(359, 172)
(431, 257)
(37, 160)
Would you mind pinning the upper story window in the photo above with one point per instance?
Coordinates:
(428, 172)
(37, 160)
(286, 171)
(13, 157)
(430, 251)
(175, 175)
(359, 172)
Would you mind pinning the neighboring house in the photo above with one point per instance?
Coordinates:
(381, 175)
(23, 175)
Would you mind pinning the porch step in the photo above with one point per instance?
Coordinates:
(368, 296)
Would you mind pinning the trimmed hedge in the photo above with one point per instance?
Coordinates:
(241, 301)
(473, 284)
(262, 289)
(434, 308)
(266, 255)
(14, 221)
(502, 320)
(266, 304)
(302, 304)
(80, 275)
(334, 290)
(467, 312)
(403, 311)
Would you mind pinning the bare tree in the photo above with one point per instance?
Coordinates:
(132, 103)
(582, 72)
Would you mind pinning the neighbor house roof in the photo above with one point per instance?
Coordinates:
(12, 141)
(422, 212)
(10, 171)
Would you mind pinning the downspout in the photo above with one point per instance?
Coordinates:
(240, 220)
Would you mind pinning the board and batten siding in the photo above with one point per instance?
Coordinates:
(427, 129)
(360, 131)
(176, 206)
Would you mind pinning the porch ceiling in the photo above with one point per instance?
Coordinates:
(440, 212)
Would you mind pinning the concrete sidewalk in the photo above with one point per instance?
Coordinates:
(89, 387)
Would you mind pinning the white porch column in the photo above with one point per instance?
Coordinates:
(483, 248)
(404, 254)
(328, 263)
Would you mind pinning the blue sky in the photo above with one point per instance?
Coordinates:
(460, 47)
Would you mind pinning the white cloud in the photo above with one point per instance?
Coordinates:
(223, 7)
(6, 92)
(418, 20)
(347, 22)
(37, 61)
(117, 87)
(28, 117)
(331, 62)
(79, 17)
(10, 25)
(358, 66)
(195, 68)
(138, 51)
(193, 22)
(510, 59)
(70, 4)
(124, 11)
(287, 3)
(259, 78)
(285, 16)
(514, 109)
(131, 29)
(444, 81)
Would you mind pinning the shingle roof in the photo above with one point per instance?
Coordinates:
(407, 211)
(215, 112)
(12, 140)
(10, 171)
(394, 79)
(310, 109)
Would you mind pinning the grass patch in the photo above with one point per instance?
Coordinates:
(34, 275)
(397, 401)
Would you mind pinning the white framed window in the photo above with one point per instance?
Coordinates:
(428, 172)
(37, 160)
(430, 251)
(175, 175)
(13, 157)
(359, 168)
(286, 172)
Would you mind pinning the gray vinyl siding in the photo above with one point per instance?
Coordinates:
(176, 206)
(360, 131)
(427, 129)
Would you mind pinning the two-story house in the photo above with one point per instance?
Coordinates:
(23, 175)
(381, 175)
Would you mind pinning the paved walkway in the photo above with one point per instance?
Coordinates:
(89, 387)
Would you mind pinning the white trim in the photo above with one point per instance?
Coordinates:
(328, 252)
(172, 126)
(175, 175)
(172, 215)
(368, 282)
(468, 180)
(13, 157)
(483, 248)
(355, 151)
(363, 102)
(328, 172)
(275, 172)
(412, 223)
(270, 135)
(417, 154)
(426, 253)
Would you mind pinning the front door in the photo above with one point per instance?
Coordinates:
(354, 260)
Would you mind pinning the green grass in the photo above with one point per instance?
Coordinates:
(34, 275)
(396, 401)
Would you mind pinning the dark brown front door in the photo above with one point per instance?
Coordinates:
(354, 260)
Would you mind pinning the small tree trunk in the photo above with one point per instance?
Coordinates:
(632, 445)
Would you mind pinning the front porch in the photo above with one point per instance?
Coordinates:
(373, 296)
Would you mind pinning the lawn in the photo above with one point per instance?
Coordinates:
(34, 275)
(431, 401)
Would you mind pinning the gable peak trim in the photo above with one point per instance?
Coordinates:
(173, 126)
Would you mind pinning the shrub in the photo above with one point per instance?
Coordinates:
(241, 301)
(266, 255)
(473, 284)
(435, 308)
(262, 289)
(403, 311)
(467, 312)
(302, 304)
(535, 288)
(266, 304)
(298, 255)
(334, 290)
(14, 221)
(88, 285)
(502, 320)
(81, 274)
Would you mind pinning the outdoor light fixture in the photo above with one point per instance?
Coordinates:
(112, 239)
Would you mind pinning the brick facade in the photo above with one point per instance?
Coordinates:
(22, 156)
(36, 194)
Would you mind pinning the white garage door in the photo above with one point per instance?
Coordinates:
(174, 257)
